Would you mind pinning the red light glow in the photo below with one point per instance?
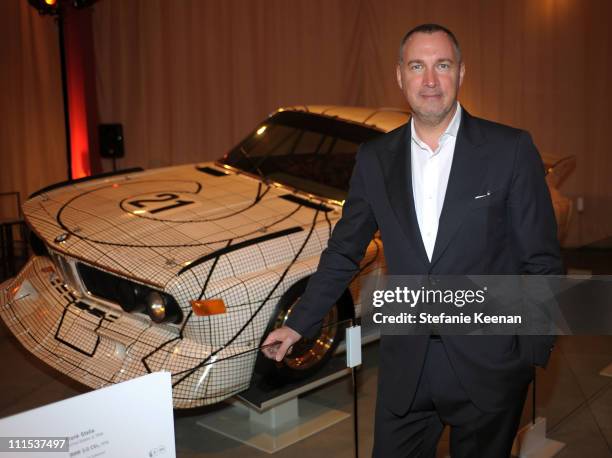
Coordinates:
(77, 100)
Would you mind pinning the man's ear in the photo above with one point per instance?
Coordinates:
(461, 73)
(398, 75)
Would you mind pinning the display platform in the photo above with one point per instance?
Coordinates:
(277, 428)
(266, 392)
(271, 415)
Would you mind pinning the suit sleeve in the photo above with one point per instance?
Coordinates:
(340, 261)
(534, 229)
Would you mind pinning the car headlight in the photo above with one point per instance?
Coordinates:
(156, 306)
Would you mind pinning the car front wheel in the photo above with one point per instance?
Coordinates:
(308, 355)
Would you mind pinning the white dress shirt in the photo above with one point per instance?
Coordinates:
(430, 172)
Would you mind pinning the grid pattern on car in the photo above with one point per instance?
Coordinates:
(210, 357)
(103, 225)
(106, 347)
(251, 297)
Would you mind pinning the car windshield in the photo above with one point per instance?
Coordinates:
(312, 153)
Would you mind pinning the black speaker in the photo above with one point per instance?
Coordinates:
(111, 140)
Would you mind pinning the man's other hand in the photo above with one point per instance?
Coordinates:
(284, 338)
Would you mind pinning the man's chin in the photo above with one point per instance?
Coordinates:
(431, 117)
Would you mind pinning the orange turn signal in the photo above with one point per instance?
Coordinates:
(207, 307)
(14, 290)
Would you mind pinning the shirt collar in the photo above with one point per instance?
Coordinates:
(451, 130)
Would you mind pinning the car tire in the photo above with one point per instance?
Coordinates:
(310, 355)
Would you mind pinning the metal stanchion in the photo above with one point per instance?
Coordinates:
(355, 411)
(533, 399)
(531, 440)
(353, 359)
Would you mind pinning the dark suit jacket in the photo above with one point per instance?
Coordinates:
(512, 231)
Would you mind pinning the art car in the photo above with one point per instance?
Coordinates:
(186, 268)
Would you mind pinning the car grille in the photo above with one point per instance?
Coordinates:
(129, 295)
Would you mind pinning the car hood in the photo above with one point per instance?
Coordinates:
(150, 225)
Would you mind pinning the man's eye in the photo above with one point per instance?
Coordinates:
(416, 67)
(443, 66)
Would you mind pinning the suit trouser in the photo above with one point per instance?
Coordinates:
(440, 399)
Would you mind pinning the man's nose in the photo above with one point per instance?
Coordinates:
(429, 79)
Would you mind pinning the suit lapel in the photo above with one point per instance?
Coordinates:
(398, 180)
(465, 181)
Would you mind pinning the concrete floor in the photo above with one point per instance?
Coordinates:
(572, 395)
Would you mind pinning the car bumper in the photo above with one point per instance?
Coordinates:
(99, 345)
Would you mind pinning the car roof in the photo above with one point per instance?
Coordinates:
(385, 119)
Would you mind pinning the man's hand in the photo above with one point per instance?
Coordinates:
(284, 338)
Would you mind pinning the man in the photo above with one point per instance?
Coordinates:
(450, 194)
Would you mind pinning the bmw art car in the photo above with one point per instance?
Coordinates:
(185, 268)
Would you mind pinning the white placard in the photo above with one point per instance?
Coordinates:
(353, 346)
(130, 419)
